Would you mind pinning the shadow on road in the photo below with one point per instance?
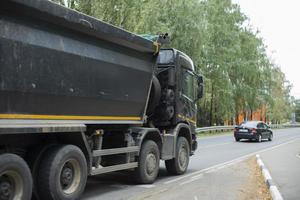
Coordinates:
(101, 184)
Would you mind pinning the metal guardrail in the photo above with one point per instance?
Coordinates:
(229, 128)
(214, 128)
(284, 125)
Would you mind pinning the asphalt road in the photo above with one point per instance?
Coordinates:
(283, 164)
(213, 153)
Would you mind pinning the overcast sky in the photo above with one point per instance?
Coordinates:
(279, 24)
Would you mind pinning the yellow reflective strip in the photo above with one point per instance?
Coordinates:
(67, 117)
(187, 119)
(156, 47)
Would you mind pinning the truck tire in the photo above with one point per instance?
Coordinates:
(179, 164)
(155, 94)
(62, 173)
(33, 159)
(15, 178)
(148, 165)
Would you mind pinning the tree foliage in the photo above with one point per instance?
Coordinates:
(297, 110)
(240, 77)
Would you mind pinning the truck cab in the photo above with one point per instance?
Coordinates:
(180, 88)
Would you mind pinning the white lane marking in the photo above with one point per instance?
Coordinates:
(214, 145)
(195, 198)
(209, 169)
(215, 167)
(198, 176)
(192, 179)
(146, 186)
(189, 181)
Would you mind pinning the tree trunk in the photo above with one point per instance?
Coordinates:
(211, 105)
(237, 119)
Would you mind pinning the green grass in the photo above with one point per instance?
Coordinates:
(214, 133)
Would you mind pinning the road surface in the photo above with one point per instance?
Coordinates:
(213, 153)
(283, 164)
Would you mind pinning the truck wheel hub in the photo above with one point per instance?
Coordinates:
(151, 163)
(11, 185)
(6, 189)
(182, 157)
(70, 176)
(66, 176)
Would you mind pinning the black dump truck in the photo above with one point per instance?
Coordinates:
(80, 97)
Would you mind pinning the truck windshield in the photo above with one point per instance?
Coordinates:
(166, 57)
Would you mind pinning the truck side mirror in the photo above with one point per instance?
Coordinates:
(200, 87)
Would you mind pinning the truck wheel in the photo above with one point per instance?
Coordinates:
(179, 164)
(15, 178)
(148, 168)
(62, 173)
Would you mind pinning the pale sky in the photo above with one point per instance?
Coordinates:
(279, 25)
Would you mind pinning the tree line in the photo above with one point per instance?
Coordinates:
(240, 78)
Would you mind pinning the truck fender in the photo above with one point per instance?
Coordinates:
(141, 134)
(170, 140)
(183, 130)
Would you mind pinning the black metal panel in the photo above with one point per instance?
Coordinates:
(55, 14)
(46, 69)
(41, 128)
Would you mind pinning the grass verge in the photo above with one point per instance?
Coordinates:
(214, 133)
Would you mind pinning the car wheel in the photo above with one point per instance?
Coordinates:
(237, 139)
(62, 173)
(15, 178)
(259, 138)
(270, 137)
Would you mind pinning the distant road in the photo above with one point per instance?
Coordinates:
(213, 153)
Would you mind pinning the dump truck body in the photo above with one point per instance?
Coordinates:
(80, 97)
(67, 66)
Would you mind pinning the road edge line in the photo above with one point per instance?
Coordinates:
(268, 179)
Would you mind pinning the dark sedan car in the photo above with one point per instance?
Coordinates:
(253, 130)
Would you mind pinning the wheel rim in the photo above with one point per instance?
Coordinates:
(182, 157)
(70, 176)
(11, 185)
(151, 163)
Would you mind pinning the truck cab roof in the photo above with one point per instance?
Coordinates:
(169, 56)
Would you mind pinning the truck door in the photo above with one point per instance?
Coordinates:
(187, 92)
